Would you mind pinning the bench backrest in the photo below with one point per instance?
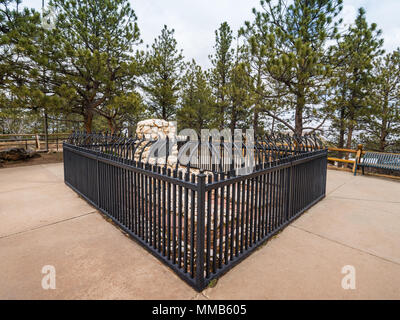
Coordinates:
(381, 160)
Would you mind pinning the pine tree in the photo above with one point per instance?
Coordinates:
(382, 122)
(222, 62)
(354, 56)
(292, 41)
(20, 34)
(163, 71)
(196, 100)
(239, 104)
(90, 52)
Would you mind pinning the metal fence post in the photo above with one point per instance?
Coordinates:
(65, 162)
(201, 195)
(98, 180)
(289, 187)
(325, 168)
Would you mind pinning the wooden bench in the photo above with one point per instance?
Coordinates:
(379, 160)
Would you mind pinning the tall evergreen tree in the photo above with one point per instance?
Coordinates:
(355, 54)
(382, 122)
(20, 35)
(196, 100)
(266, 94)
(90, 51)
(222, 62)
(239, 93)
(163, 71)
(292, 40)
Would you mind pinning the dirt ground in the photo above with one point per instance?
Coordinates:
(43, 158)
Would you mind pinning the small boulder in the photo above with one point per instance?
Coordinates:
(15, 154)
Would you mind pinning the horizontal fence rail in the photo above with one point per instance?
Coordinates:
(199, 223)
(33, 141)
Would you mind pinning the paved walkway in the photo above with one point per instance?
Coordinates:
(43, 222)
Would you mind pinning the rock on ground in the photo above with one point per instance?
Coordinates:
(14, 154)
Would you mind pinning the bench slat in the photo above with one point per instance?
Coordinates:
(381, 160)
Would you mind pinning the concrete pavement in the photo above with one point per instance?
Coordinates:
(43, 222)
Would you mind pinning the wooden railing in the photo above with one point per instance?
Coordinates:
(358, 152)
(33, 140)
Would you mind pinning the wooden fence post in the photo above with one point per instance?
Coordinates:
(358, 158)
(37, 142)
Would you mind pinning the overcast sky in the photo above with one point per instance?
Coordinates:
(196, 21)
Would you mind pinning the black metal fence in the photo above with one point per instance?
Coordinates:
(202, 222)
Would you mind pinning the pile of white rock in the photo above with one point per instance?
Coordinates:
(154, 129)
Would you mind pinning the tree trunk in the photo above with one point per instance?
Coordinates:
(222, 113)
(257, 106)
(299, 115)
(255, 120)
(350, 129)
(349, 138)
(114, 127)
(131, 131)
(384, 128)
(233, 120)
(111, 125)
(382, 141)
(342, 129)
(46, 130)
(222, 96)
(88, 118)
(341, 134)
